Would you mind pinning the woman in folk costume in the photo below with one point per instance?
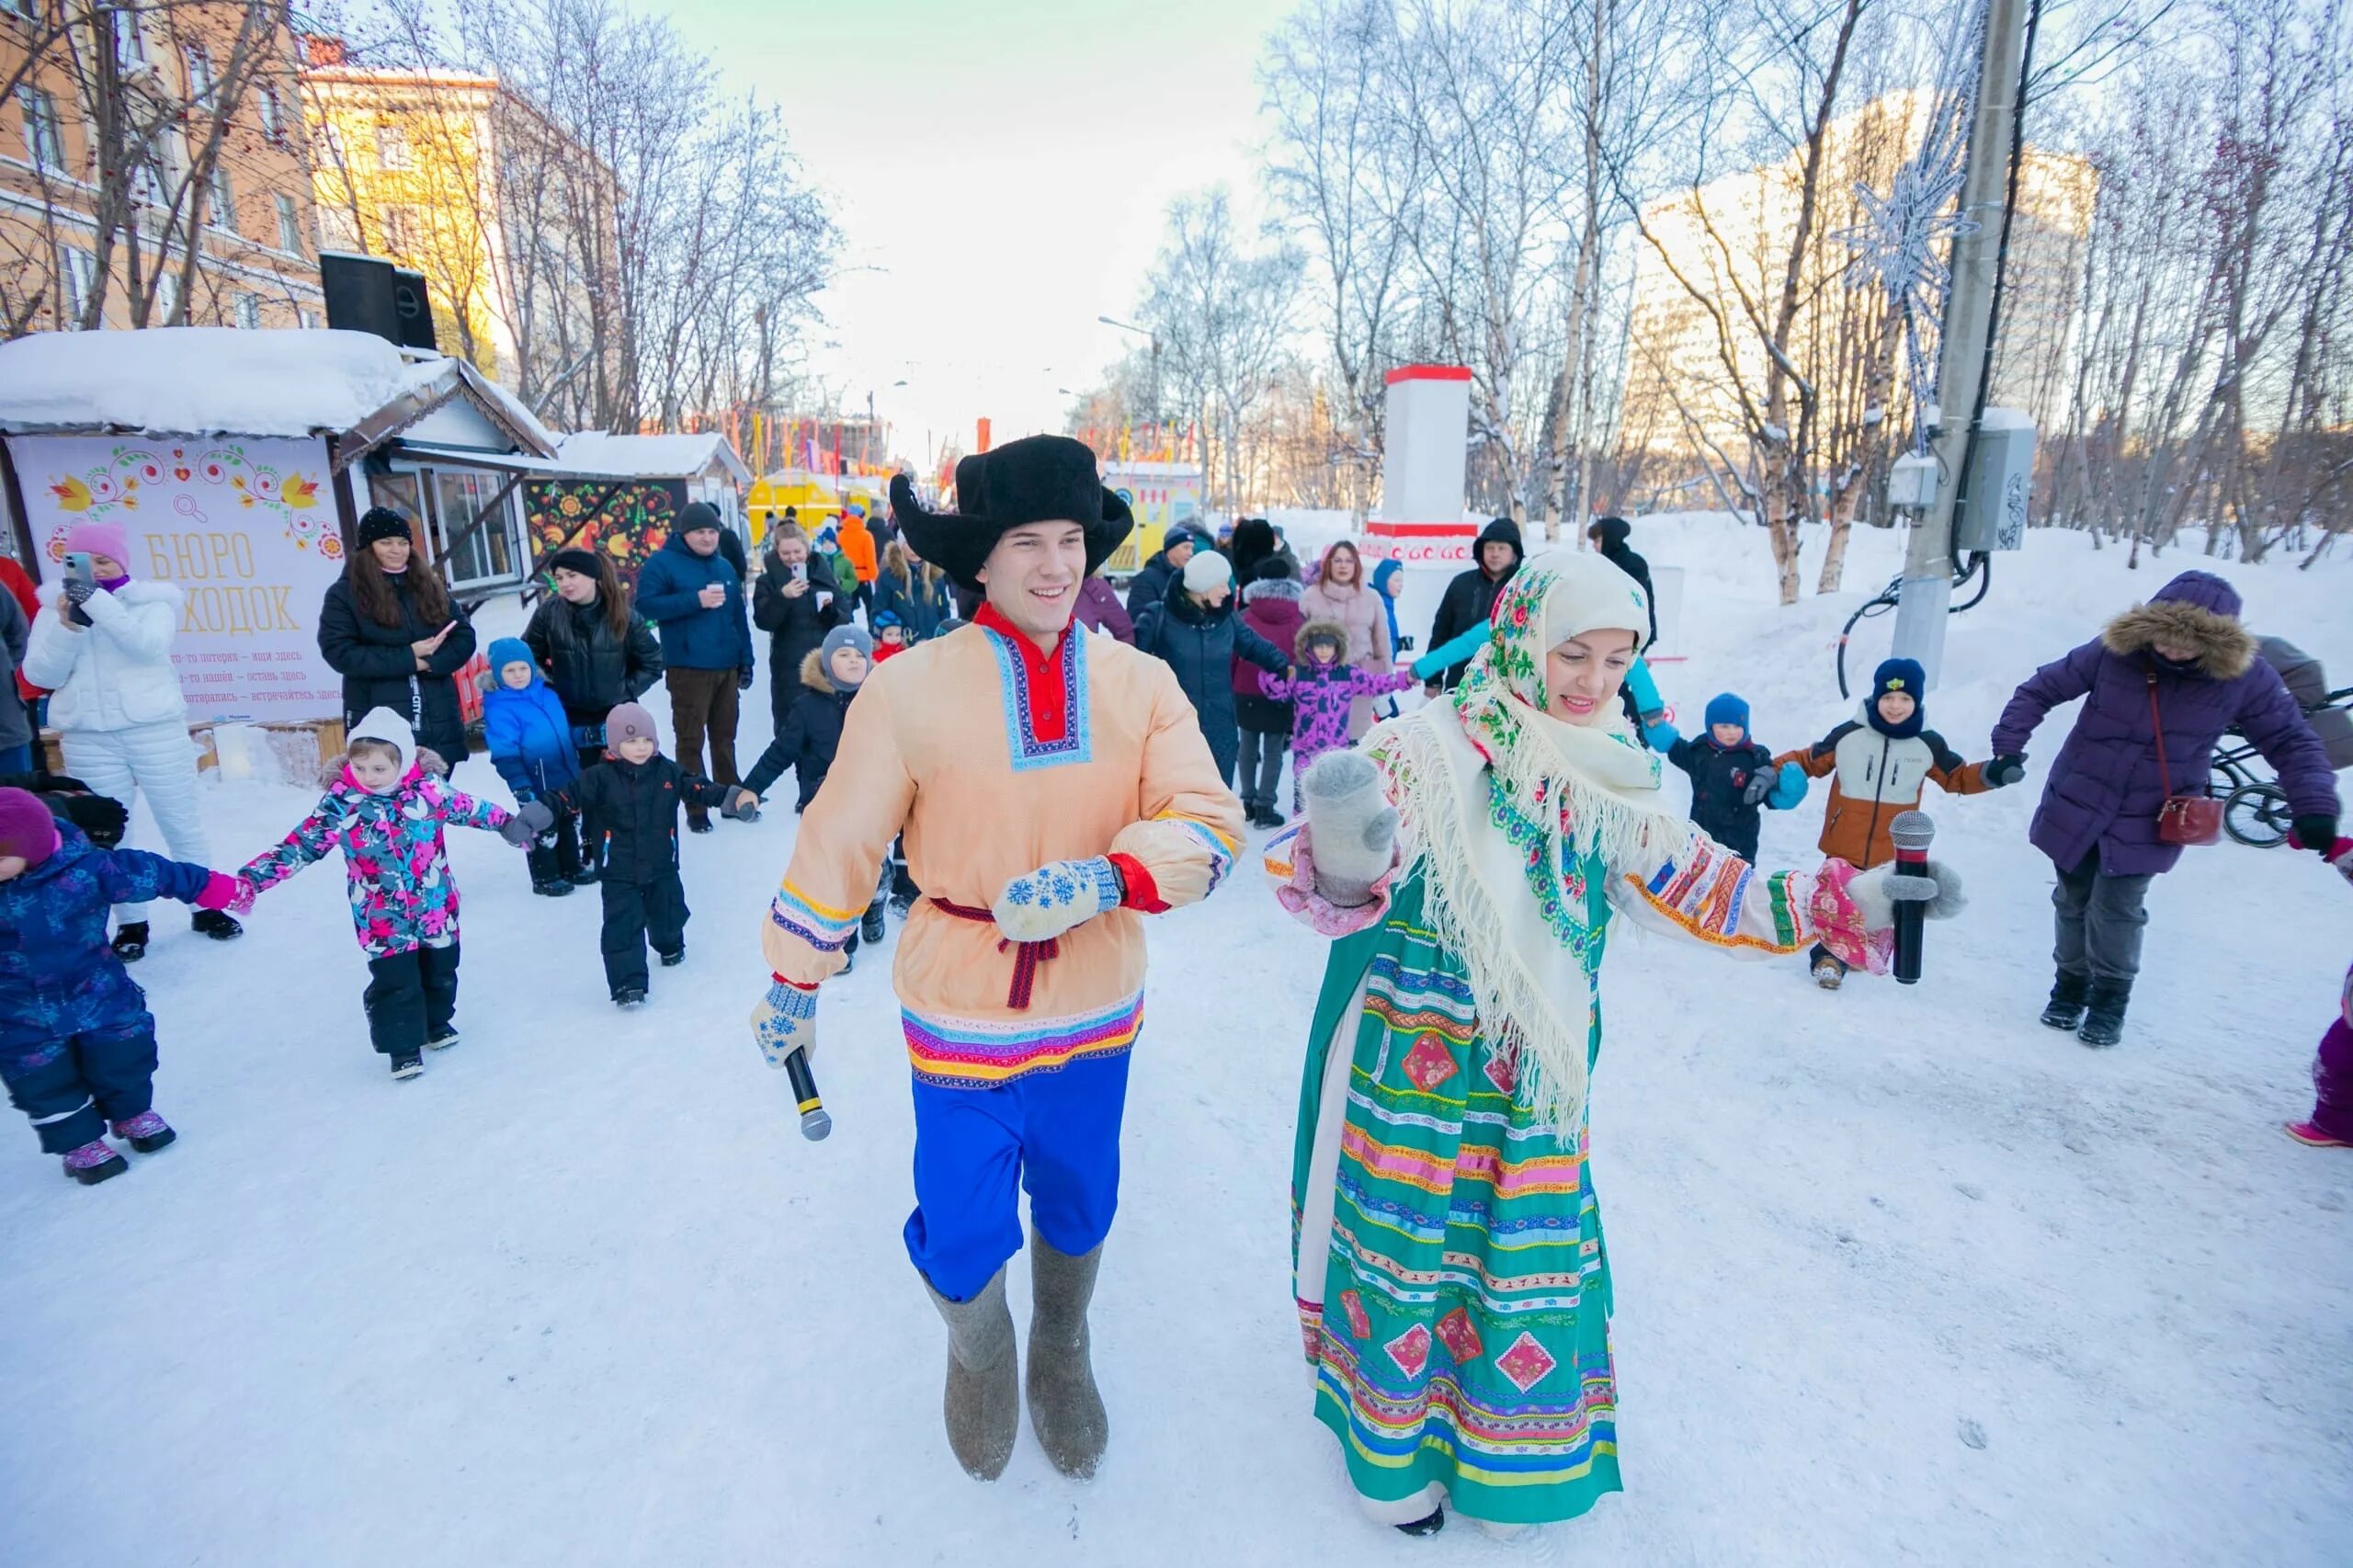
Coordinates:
(1053, 788)
(1470, 857)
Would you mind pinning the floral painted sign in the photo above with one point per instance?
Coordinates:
(633, 523)
(244, 529)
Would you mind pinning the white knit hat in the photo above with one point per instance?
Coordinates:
(1207, 571)
(383, 725)
(1588, 593)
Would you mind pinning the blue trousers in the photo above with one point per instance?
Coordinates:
(1056, 1134)
(73, 1087)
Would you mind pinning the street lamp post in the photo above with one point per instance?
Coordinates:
(1153, 338)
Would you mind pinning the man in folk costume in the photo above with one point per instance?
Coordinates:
(1450, 1273)
(1054, 789)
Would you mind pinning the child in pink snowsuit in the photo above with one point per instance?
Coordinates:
(1320, 690)
(2331, 1123)
(385, 813)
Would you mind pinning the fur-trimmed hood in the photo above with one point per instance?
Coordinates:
(2195, 611)
(1316, 631)
(813, 677)
(1273, 588)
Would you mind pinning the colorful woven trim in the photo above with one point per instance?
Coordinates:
(959, 1053)
(826, 930)
(1024, 749)
(1221, 848)
(1705, 895)
(1838, 922)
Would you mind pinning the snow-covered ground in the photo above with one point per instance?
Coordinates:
(1903, 1277)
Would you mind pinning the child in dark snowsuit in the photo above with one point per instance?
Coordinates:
(830, 679)
(385, 812)
(1322, 691)
(78, 1044)
(1879, 763)
(530, 745)
(1731, 775)
(629, 805)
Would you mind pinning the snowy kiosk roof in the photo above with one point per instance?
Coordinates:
(594, 454)
(202, 380)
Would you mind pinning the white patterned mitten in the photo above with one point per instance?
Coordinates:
(1055, 897)
(785, 1021)
(1351, 827)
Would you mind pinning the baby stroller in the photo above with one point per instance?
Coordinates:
(2255, 809)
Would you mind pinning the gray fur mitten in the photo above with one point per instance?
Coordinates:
(1877, 891)
(1351, 827)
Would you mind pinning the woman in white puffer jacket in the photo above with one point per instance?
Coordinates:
(116, 700)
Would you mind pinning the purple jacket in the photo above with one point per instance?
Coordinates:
(1099, 609)
(1271, 609)
(2105, 791)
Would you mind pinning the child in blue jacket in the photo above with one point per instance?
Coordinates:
(1731, 775)
(530, 737)
(78, 1044)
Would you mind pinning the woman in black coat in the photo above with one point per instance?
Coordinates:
(390, 629)
(598, 652)
(1194, 630)
(796, 606)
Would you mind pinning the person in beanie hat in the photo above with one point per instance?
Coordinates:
(104, 649)
(1473, 861)
(1150, 585)
(385, 808)
(629, 810)
(529, 736)
(1609, 536)
(1194, 630)
(389, 627)
(596, 650)
(1878, 762)
(1270, 606)
(1472, 595)
(1012, 741)
(1732, 776)
(890, 634)
(78, 1044)
(2181, 667)
(689, 589)
(1326, 692)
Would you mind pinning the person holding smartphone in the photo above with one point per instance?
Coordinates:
(390, 629)
(796, 604)
(103, 646)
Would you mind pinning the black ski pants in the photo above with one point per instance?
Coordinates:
(410, 995)
(636, 912)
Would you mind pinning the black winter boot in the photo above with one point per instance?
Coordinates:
(2104, 1014)
(869, 928)
(217, 924)
(131, 942)
(2065, 1008)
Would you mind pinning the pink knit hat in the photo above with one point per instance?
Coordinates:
(109, 540)
(27, 829)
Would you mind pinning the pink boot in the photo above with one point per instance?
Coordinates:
(2307, 1133)
(94, 1162)
(147, 1131)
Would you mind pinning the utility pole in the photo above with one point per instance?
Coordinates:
(1927, 595)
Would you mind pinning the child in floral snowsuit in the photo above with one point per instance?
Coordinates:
(386, 813)
(1320, 690)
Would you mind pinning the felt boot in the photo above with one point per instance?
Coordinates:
(1064, 1406)
(2065, 1008)
(984, 1402)
(2104, 1014)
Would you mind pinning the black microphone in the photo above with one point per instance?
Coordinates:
(814, 1122)
(1910, 832)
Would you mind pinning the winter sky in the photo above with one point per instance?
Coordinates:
(1000, 169)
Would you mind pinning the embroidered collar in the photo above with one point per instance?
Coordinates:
(1041, 671)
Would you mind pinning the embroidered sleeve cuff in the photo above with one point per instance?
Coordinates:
(1142, 894)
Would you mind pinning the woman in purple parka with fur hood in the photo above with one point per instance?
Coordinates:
(2186, 650)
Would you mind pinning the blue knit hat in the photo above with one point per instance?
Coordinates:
(1728, 707)
(505, 650)
(1906, 676)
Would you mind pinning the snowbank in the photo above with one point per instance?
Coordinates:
(1903, 1278)
(194, 381)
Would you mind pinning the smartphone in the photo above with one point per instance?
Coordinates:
(801, 571)
(78, 570)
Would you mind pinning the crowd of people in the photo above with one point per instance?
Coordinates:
(986, 737)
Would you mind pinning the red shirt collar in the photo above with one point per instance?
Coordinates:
(1048, 719)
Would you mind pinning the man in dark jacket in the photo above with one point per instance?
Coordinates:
(629, 811)
(696, 598)
(1608, 536)
(1151, 583)
(1472, 596)
(2160, 684)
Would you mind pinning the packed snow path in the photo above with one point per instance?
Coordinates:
(1902, 1276)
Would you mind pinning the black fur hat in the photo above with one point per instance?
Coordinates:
(1037, 479)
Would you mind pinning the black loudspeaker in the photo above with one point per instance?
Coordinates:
(359, 294)
(414, 306)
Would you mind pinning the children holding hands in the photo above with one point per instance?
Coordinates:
(1731, 775)
(530, 745)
